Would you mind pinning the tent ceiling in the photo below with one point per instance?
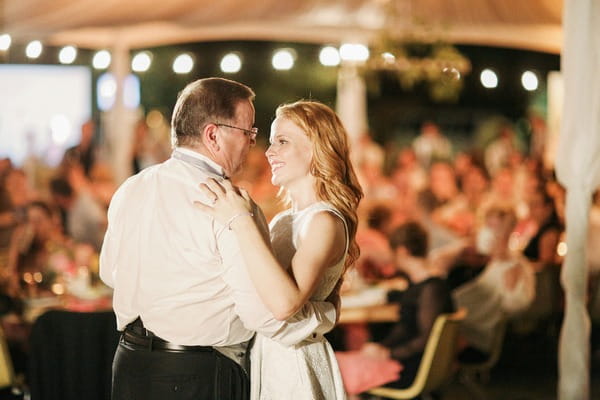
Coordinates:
(527, 24)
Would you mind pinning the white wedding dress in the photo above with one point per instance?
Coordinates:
(308, 370)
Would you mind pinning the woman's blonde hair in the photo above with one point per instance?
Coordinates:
(336, 181)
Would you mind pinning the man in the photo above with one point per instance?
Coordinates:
(83, 153)
(181, 291)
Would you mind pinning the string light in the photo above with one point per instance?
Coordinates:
(34, 49)
(101, 59)
(231, 63)
(5, 41)
(283, 59)
(67, 55)
(488, 79)
(183, 64)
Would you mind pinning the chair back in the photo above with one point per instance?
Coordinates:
(495, 350)
(436, 366)
(7, 373)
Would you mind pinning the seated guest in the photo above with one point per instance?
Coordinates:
(541, 247)
(543, 229)
(426, 297)
(375, 260)
(505, 287)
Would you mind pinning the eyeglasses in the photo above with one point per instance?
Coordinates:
(248, 132)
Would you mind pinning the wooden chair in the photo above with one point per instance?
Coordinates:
(7, 373)
(436, 366)
(10, 386)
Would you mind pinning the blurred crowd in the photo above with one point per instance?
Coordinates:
(492, 217)
(489, 223)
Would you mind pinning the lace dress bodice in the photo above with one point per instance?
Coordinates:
(285, 230)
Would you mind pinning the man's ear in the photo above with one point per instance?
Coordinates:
(209, 137)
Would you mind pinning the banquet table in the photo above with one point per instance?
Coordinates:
(368, 305)
(370, 313)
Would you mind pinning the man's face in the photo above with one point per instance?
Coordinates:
(234, 144)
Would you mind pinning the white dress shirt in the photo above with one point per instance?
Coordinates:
(181, 271)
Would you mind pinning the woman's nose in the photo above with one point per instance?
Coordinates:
(269, 151)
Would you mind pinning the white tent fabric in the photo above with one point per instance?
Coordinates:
(531, 24)
(578, 169)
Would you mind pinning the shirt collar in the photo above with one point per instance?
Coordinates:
(198, 160)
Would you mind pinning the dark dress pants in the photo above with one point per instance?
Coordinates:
(143, 374)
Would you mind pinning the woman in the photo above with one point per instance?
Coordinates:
(505, 287)
(313, 243)
(541, 248)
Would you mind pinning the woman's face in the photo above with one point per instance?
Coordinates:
(538, 209)
(289, 154)
(42, 223)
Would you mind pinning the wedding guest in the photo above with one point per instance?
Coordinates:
(426, 297)
(505, 287)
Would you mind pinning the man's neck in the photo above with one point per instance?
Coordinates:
(202, 151)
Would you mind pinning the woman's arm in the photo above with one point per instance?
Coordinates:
(320, 245)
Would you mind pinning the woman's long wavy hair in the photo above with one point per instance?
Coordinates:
(336, 181)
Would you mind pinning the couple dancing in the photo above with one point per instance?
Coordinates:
(198, 275)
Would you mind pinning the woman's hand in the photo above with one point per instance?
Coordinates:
(228, 202)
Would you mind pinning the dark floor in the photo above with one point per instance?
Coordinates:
(527, 370)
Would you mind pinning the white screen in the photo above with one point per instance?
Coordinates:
(42, 108)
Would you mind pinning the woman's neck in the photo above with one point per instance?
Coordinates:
(501, 250)
(302, 194)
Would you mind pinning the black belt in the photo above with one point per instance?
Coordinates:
(152, 342)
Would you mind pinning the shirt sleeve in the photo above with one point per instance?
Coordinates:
(312, 319)
(111, 242)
